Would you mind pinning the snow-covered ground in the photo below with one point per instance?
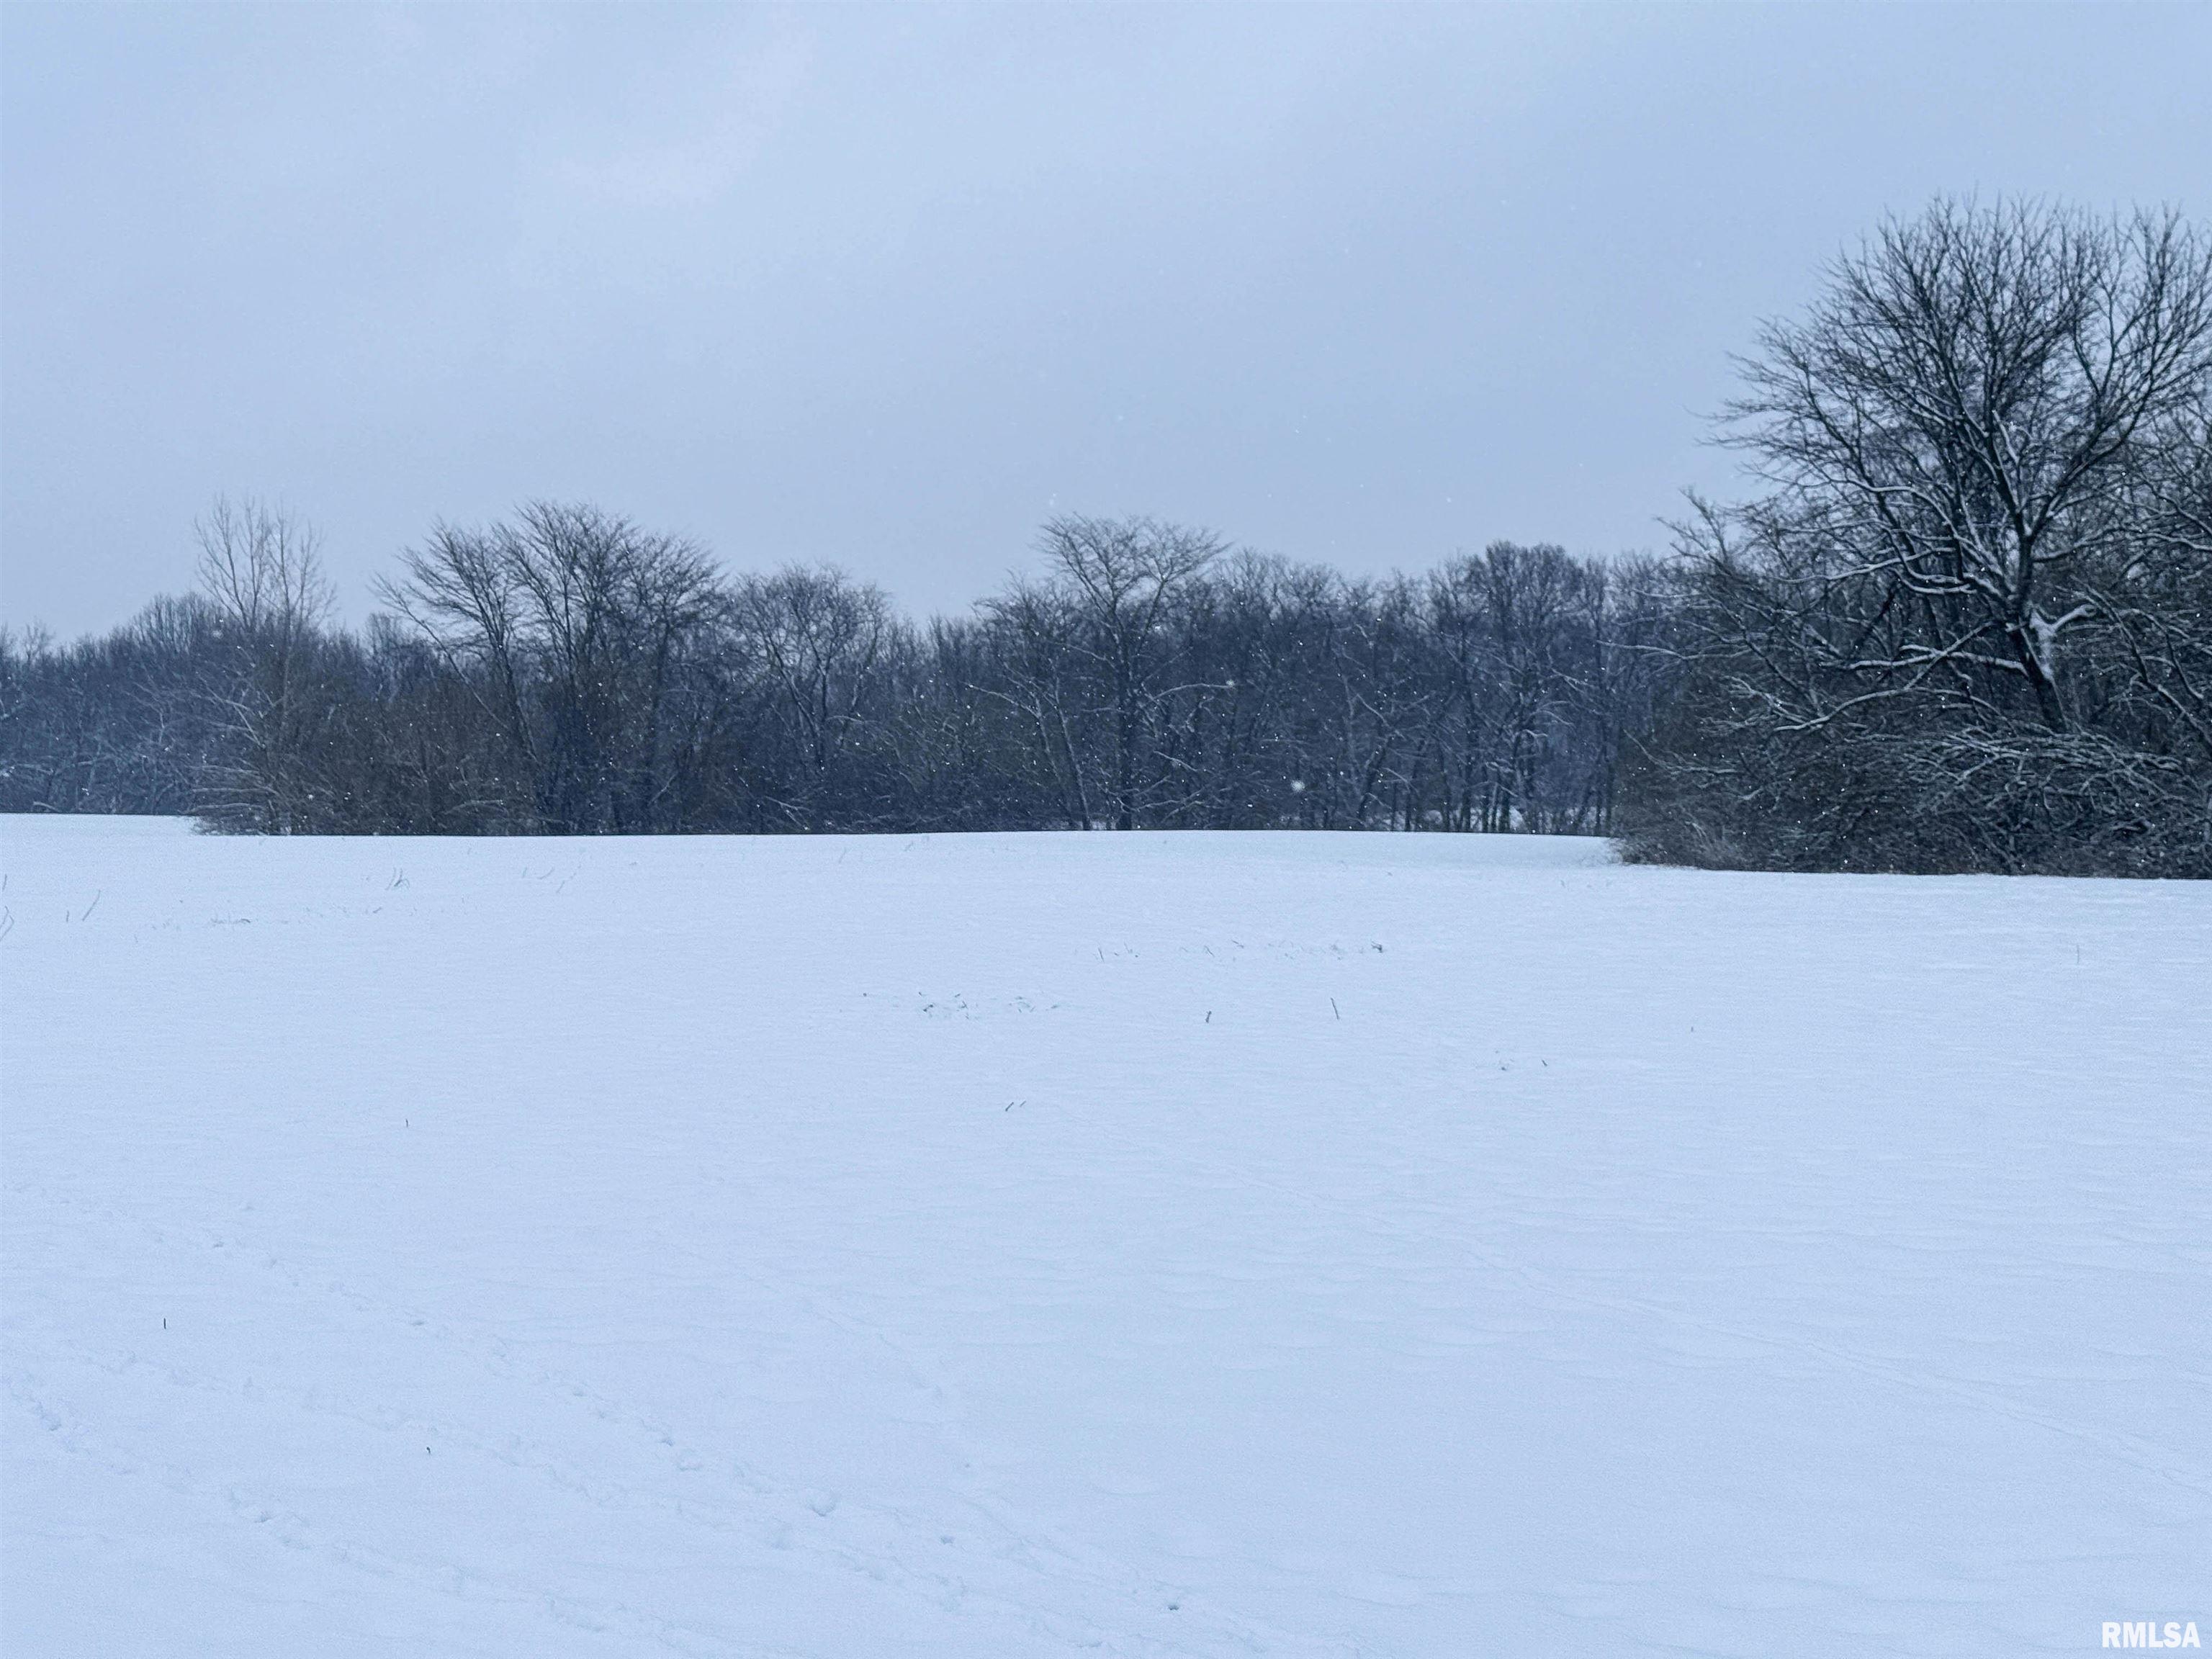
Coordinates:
(1001, 1246)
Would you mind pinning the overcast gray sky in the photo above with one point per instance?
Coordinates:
(887, 287)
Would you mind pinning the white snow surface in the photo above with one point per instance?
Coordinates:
(1191, 1244)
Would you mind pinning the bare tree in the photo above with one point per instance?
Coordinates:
(1113, 585)
(260, 566)
(1956, 425)
(818, 638)
(260, 569)
(1906, 652)
(1517, 638)
(573, 624)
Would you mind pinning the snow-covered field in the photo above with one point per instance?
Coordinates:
(1001, 1246)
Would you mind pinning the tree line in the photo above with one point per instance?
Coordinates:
(1964, 623)
(567, 673)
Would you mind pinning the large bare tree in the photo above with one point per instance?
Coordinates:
(1976, 443)
(1958, 426)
